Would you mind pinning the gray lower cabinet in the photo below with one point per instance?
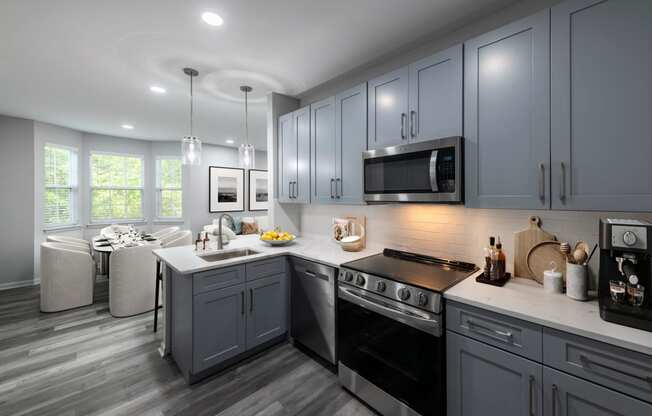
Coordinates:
(483, 380)
(507, 116)
(266, 318)
(218, 326)
(601, 101)
(294, 156)
(565, 395)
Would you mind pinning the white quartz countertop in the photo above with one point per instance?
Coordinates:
(323, 250)
(526, 299)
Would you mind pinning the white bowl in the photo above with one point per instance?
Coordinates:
(278, 242)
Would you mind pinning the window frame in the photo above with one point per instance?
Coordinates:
(73, 186)
(158, 189)
(91, 188)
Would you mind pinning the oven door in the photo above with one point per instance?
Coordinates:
(420, 172)
(397, 348)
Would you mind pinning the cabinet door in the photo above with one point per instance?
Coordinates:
(322, 121)
(302, 133)
(483, 380)
(218, 326)
(350, 142)
(388, 108)
(565, 395)
(266, 309)
(506, 116)
(436, 96)
(287, 161)
(601, 92)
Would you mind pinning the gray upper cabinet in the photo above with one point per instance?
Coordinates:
(350, 142)
(565, 395)
(601, 100)
(388, 109)
(507, 116)
(219, 326)
(483, 380)
(294, 156)
(435, 96)
(287, 161)
(266, 309)
(322, 121)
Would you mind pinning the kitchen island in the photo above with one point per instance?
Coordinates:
(223, 306)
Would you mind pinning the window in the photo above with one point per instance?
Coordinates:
(116, 187)
(168, 188)
(60, 177)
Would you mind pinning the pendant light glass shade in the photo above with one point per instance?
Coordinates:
(191, 150)
(191, 145)
(246, 151)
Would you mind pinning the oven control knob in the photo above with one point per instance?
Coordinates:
(403, 294)
(348, 277)
(359, 280)
(381, 286)
(422, 299)
(629, 238)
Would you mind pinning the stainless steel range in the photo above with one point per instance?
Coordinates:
(391, 330)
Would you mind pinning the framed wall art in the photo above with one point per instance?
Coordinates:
(258, 190)
(225, 189)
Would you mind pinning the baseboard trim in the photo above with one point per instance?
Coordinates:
(21, 283)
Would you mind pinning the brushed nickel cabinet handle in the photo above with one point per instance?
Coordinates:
(251, 300)
(474, 326)
(332, 182)
(562, 185)
(242, 305)
(403, 117)
(542, 182)
(413, 122)
(554, 399)
(337, 192)
(587, 363)
(531, 401)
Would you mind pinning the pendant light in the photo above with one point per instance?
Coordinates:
(246, 152)
(191, 145)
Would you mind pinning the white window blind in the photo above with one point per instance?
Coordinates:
(169, 194)
(116, 187)
(60, 177)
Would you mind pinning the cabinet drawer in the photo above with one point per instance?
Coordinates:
(264, 268)
(514, 335)
(217, 279)
(622, 370)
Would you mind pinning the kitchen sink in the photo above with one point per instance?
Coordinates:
(228, 254)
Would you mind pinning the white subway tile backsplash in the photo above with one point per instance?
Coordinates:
(455, 231)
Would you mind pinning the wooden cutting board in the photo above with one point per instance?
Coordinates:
(540, 256)
(523, 243)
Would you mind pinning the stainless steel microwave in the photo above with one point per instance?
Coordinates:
(428, 171)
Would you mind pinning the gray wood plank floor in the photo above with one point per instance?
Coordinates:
(85, 362)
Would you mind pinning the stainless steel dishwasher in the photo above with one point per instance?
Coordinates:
(313, 307)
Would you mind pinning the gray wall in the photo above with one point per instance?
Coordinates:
(421, 48)
(17, 201)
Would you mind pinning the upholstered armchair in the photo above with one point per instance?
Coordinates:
(67, 276)
(132, 282)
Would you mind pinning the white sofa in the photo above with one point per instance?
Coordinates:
(67, 277)
(165, 232)
(176, 239)
(133, 280)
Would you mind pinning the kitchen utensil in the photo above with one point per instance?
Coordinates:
(591, 255)
(582, 245)
(553, 281)
(580, 256)
(540, 256)
(565, 249)
(523, 243)
(577, 282)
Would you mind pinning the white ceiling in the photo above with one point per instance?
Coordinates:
(88, 64)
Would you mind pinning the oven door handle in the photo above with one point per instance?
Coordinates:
(408, 315)
(433, 171)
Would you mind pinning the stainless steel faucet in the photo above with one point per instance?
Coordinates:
(220, 245)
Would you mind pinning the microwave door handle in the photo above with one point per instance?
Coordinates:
(433, 171)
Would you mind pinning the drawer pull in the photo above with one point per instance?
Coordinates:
(554, 399)
(587, 363)
(504, 336)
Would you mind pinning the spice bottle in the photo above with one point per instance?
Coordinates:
(487, 258)
(198, 242)
(500, 261)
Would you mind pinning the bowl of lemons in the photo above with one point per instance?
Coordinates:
(277, 237)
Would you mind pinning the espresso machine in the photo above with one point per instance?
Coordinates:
(625, 279)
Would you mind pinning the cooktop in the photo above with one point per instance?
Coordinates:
(427, 272)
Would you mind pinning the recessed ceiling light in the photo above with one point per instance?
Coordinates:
(229, 141)
(212, 19)
(127, 126)
(157, 89)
